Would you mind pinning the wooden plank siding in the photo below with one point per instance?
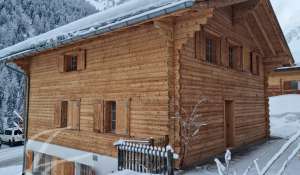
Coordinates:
(218, 83)
(132, 64)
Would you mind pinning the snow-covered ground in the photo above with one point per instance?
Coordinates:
(11, 160)
(285, 115)
(285, 122)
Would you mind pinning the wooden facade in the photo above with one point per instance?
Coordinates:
(156, 69)
(284, 81)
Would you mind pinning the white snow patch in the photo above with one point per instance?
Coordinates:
(284, 126)
(284, 104)
(11, 153)
(285, 115)
(12, 170)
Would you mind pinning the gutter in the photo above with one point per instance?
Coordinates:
(134, 20)
(26, 112)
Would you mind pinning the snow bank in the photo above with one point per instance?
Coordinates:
(12, 170)
(284, 126)
(284, 104)
(284, 115)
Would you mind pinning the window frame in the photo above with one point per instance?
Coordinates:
(237, 55)
(212, 43)
(71, 62)
(64, 113)
(110, 116)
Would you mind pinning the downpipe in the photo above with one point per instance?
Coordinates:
(26, 111)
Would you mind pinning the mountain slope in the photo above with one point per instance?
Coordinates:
(19, 20)
(102, 5)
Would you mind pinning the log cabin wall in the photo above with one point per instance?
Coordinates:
(218, 83)
(129, 64)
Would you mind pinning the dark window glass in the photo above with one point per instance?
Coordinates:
(257, 65)
(86, 170)
(251, 62)
(210, 50)
(294, 85)
(113, 116)
(64, 114)
(8, 132)
(43, 164)
(231, 57)
(71, 62)
(18, 132)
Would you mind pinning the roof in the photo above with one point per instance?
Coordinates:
(287, 69)
(127, 14)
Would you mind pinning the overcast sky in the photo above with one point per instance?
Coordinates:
(288, 13)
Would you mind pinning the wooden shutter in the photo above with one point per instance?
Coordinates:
(61, 63)
(99, 116)
(81, 62)
(198, 45)
(29, 161)
(224, 52)
(287, 85)
(69, 167)
(74, 114)
(254, 64)
(123, 112)
(258, 65)
(57, 114)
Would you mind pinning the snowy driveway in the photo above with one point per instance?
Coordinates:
(11, 155)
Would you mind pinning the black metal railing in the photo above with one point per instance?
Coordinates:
(145, 158)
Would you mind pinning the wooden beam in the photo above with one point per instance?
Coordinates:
(276, 26)
(258, 44)
(218, 3)
(265, 35)
(242, 9)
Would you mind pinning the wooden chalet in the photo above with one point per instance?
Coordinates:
(128, 81)
(284, 80)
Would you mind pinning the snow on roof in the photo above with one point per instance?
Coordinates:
(132, 12)
(288, 68)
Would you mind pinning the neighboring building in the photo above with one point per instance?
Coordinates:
(284, 80)
(102, 78)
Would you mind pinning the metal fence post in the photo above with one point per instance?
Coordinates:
(170, 162)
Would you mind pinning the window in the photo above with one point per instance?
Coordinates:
(67, 114)
(41, 164)
(71, 62)
(210, 53)
(86, 170)
(212, 48)
(254, 63)
(17, 132)
(231, 57)
(64, 114)
(8, 132)
(110, 116)
(257, 65)
(291, 85)
(251, 61)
